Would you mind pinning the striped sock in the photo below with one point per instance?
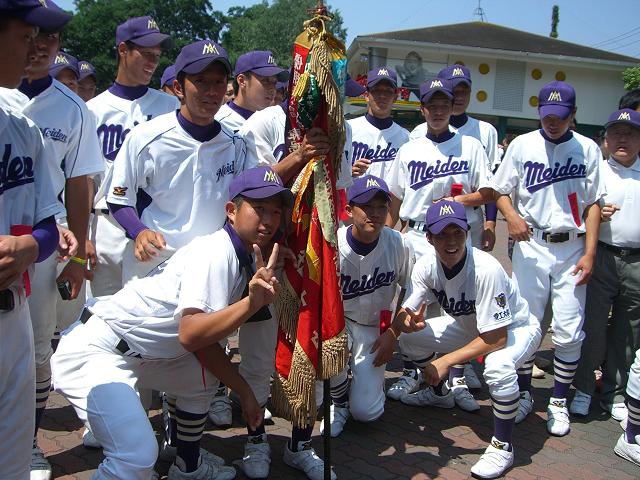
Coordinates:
(563, 373)
(222, 390)
(340, 394)
(456, 376)
(42, 395)
(504, 417)
(170, 423)
(300, 436)
(524, 375)
(633, 420)
(189, 432)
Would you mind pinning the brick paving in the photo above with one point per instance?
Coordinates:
(406, 442)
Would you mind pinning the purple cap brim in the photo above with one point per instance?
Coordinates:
(84, 75)
(152, 40)
(270, 191)
(560, 111)
(54, 71)
(368, 195)
(440, 225)
(353, 88)
(268, 71)
(382, 79)
(457, 81)
(202, 64)
(427, 96)
(48, 19)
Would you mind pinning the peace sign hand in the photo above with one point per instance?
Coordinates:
(263, 286)
(414, 322)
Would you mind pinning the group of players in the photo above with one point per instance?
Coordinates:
(168, 204)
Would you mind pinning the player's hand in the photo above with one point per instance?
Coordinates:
(16, 254)
(75, 274)
(148, 245)
(67, 244)
(607, 211)
(385, 345)
(263, 286)
(252, 412)
(284, 254)
(315, 144)
(488, 237)
(435, 371)
(414, 321)
(92, 259)
(518, 228)
(360, 167)
(584, 267)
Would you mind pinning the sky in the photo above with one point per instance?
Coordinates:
(611, 25)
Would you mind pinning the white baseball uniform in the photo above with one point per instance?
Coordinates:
(26, 198)
(479, 299)
(375, 144)
(101, 376)
(424, 171)
(186, 183)
(115, 117)
(553, 184)
(369, 284)
(232, 118)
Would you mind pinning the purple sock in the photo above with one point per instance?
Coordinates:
(457, 371)
(563, 373)
(633, 420)
(504, 418)
(300, 435)
(438, 388)
(340, 394)
(258, 431)
(189, 432)
(524, 375)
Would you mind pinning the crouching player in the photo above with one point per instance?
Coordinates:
(145, 335)
(486, 316)
(374, 261)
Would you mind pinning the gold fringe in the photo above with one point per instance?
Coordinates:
(287, 307)
(334, 356)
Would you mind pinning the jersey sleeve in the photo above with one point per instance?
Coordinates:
(418, 131)
(418, 290)
(343, 177)
(481, 177)
(595, 186)
(506, 177)
(259, 140)
(84, 156)
(128, 173)
(492, 299)
(397, 174)
(493, 156)
(406, 262)
(44, 164)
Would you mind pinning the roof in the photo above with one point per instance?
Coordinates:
(492, 36)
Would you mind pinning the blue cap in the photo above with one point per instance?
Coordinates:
(85, 69)
(625, 116)
(64, 60)
(259, 183)
(380, 74)
(365, 188)
(40, 13)
(353, 88)
(168, 76)
(260, 62)
(197, 56)
(445, 213)
(456, 74)
(142, 31)
(556, 98)
(429, 88)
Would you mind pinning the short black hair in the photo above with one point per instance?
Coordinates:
(630, 100)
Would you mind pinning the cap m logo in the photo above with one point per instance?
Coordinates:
(43, 3)
(61, 59)
(271, 60)
(446, 210)
(457, 72)
(151, 24)
(554, 97)
(436, 83)
(624, 116)
(84, 66)
(210, 49)
(270, 176)
(372, 182)
(383, 72)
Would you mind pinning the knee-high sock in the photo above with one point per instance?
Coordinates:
(504, 417)
(633, 420)
(170, 421)
(189, 432)
(42, 395)
(340, 393)
(524, 375)
(563, 373)
(456, 376)
(300, 436)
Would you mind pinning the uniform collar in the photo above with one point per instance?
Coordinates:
(243, 256)
(564, 138)
(379, 123)
(128, 93)
(35, 88)
(443, 137)
(202, 133)
(458, 121)
(635, 166)
(243, 112)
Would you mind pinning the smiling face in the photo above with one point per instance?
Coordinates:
(137, 64)
(255, 221)
(47, 45)
(450, 244)
(623, 143)
(255, 91)
(202, 94)
(369, 218)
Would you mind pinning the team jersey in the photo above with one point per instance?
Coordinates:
(481, 296)
(67, 127)
(186, 181)
(231, 119)
(424, 171)
(379, 146)
(264, 134)
(369, 283)
(116, 116)
(622, 185)
(554, 184)
(206, 275)
(478, 129)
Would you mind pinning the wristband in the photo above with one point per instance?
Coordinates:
(393, 332)
(79, 261)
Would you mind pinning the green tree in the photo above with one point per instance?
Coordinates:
(631, 78)
(91, 33)
(271, 26)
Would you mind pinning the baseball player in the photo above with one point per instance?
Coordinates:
(630, 100)
(125, 104)
(554, 218)
(144, 337)
(486, 315)
(374, 261)
(64, 68)
(86, 80)
(69, 134)
(628, 445)
(166, 81)
(254, 83)
(615, 284)
(376, 137)
(28, 231)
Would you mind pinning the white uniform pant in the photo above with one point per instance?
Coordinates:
(445, 334)
(17, 390)
(633, 384)
(543, 270)
(257, 346)
(102, 386)
(110, 241)
(133, 268)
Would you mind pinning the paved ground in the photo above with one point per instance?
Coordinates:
(407, 442)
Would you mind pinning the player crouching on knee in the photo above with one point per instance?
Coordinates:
(486, 316)
(162, 331)
(374, 261)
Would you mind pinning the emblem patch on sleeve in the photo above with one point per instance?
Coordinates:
(501, 300)
(119, 191)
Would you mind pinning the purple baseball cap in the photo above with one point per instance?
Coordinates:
(625, 116)
(142, 31)
(365, 188)
(197, 56)
(282, 85)
(64, 60)
(456, 74)
(40, 13)
(353, 88)
(380, 74)
(85, 69)
(445, 213)
(259, 183)
(556, 98)
(168, 76)
(429, 88)
(260, 62)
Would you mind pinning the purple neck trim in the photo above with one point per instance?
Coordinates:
(566, 137)
(128, 93)
(359, 247)
(379, 123)
(202, 133)
(458, 120)
(238, 245)
(443, 137)
(285, 105)
(36, 87)
(243, 112)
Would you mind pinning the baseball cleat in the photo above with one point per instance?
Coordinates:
(626, 450)
(464, 399)
(473, 382)
(220, 411)
(580, 404)
(168, 453)
(256, 460)
(339, 416)
(525, 406)
(307, 461)
(495, 460)
(205, 471)
(618, 411)
(409, 382)
(558, 422)
(428, 398)
(40, 466)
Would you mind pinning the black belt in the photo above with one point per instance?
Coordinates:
(413, 224)
(103, 211)
(619, 251)
(558, 237)
(122, 346)
(7, 301)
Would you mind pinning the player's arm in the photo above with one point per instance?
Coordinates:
(475, 199)
(592, 223)
(518, 228)
(394, 212)
(314, 144)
